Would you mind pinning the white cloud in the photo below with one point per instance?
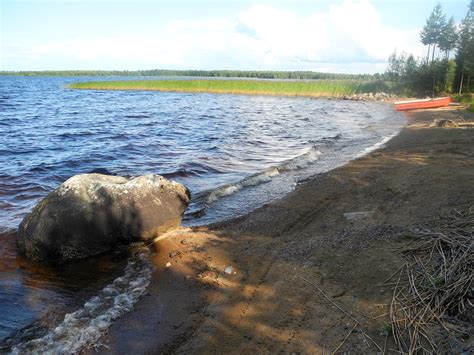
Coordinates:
(347, 37)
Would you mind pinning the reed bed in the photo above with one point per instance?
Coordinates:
(313, 88)
(432, 303)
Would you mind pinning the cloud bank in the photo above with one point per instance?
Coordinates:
(347, 37)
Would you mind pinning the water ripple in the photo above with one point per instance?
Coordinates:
(233, 152)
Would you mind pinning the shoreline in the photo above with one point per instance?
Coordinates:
(285, 254)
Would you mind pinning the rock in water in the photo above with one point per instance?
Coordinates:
(92, 213)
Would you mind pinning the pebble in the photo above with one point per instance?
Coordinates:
(168, 264)
(339, 292)
(229, 270)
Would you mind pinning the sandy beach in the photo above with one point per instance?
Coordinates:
(298, 274)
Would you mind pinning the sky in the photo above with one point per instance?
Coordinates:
(343, 36)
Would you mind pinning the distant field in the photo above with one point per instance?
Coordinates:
(315, 88)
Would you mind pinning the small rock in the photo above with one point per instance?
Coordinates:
(338, 293)
(229, 270)
(168, 264)
(174, 253)
(184, 241)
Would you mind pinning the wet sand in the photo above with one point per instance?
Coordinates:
(303, 273)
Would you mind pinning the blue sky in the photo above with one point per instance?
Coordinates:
(350, 36)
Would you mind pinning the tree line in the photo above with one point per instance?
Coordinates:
(438, 73)
(292, 75)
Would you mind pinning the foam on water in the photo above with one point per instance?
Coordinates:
(377, 145)
(298, 162)
(301, 161)
(83, 328)
(230, 189)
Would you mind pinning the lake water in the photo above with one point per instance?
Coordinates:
(234, 152)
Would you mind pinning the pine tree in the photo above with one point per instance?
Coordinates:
(465, 50)
(449, 37)
(433, 30)
(426, 38)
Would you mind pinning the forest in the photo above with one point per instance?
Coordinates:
(439, 72)
(258, 74)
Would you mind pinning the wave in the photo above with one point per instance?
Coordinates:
(193, 169)
(299, 162)
(83, 328)
(252, 180)
(376, 146)
(138, 116)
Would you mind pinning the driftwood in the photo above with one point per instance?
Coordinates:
(444, 123)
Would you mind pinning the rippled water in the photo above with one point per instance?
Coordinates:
(233, 152)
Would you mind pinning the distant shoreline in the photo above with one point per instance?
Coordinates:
(320, 88)
(256, 74)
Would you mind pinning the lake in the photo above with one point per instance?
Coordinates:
(234, 152)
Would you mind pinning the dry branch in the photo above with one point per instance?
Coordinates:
(434, 291)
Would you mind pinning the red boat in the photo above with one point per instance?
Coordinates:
(428, 103)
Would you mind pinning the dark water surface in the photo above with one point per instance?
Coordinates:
(235, 153)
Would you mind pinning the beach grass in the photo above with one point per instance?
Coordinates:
(313, 88)
(466, 99)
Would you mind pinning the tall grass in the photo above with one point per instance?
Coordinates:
(315, 88)
(467, 99)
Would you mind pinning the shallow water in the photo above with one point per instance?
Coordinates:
(234, 152)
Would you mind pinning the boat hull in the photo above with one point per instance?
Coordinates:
(422, 104)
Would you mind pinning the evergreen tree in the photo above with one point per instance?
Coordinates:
(449, 37)
(433, 30)
(465, 50)
(426, 38)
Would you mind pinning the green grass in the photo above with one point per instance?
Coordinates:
(467, 99)
(315, 88)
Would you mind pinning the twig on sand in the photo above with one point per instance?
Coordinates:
(345, 338)
(330, 300)
(341, 309)
(435, 287)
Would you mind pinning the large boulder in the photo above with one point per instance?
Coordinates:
(90, 214)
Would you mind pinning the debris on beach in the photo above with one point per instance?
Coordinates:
(445, 123)
(229, 270)
(433, 297)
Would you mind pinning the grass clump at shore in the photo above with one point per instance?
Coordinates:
(315, 88)
(467, 99)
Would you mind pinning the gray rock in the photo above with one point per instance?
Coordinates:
(90, 214)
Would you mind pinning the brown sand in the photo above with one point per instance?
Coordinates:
(291, 256)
